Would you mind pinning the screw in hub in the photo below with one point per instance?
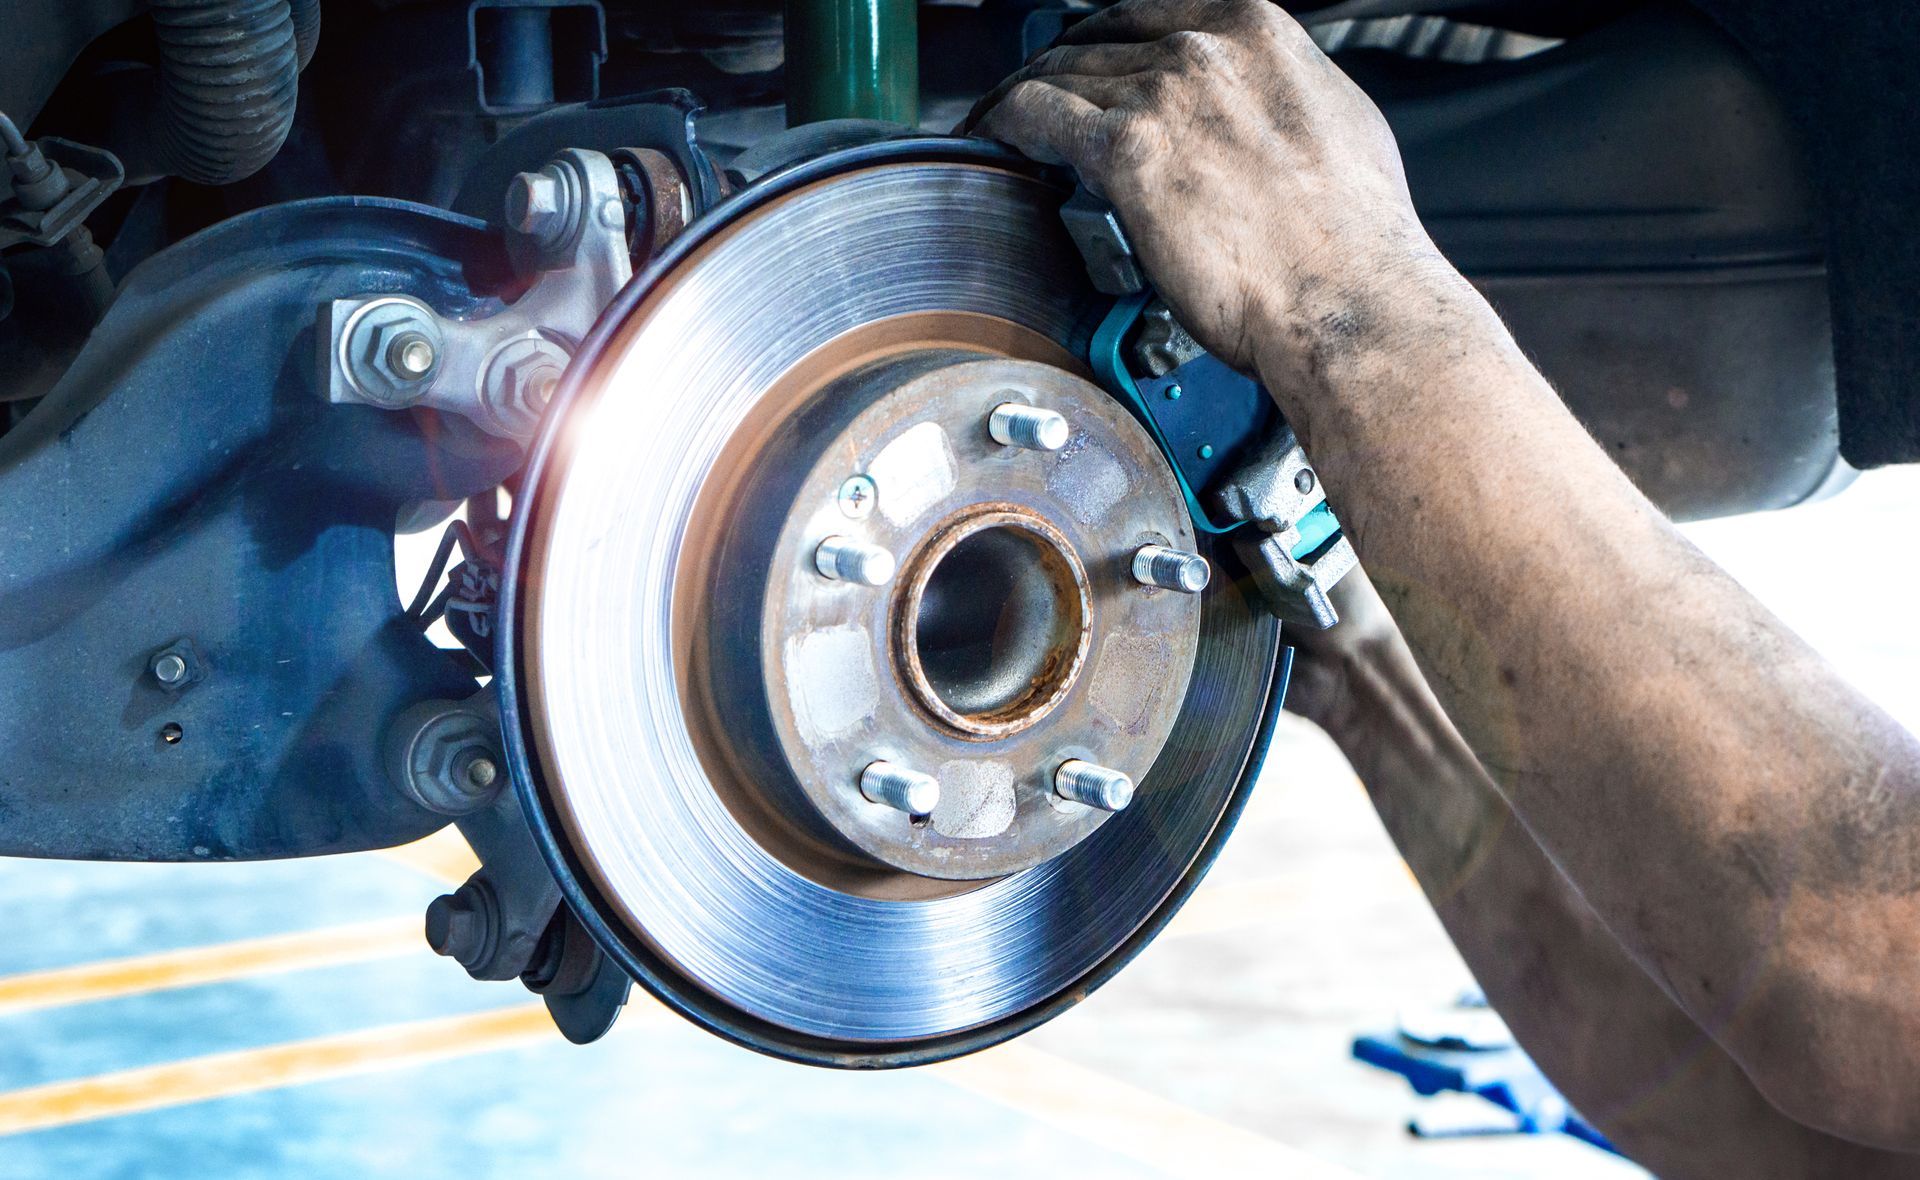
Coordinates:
(1171, 569)
(1015, 424)
(412, 355)
(846, 560)
(857, 497)
(900, 788)
(1095, 786)
(1303, 480)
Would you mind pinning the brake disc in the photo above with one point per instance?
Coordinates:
(694, 700)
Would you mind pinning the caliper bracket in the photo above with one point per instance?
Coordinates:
(1219, 430)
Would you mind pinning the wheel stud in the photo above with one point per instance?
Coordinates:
(1015, 424)
(846, 560)
(900, 788)
(1171, 569)
(1095, 786)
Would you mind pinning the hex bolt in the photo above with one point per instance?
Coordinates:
(461, 925)
(176, 666)
(169, 668)
(534, 202)
(1095, 786)
(1015, 424)
(1171, 569)
(900, 788)
(412, 355)
(846, 560)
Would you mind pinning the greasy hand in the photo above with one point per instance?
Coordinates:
(1260, 187)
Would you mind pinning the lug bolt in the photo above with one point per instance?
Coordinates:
(900, 788)
(846, 560)
(411, 354)
(1171, 569)
(1095, 786)
(1014, 424)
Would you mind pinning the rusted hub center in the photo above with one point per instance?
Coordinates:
(981, 628)
(993, 621)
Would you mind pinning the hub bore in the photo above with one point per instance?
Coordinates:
(994, 621)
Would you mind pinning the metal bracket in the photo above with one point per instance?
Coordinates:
(81, 178)
(570, 239)
(1297, 551)
(1296, 548)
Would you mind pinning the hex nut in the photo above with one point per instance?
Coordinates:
(435, 749)
(377, 336)
(518, 382)
(176, 666)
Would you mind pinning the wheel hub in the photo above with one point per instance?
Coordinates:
(1012, 639)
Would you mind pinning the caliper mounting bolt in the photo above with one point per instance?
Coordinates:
(1015, 424)
(1171, 569)
(900, 788)
(1095, 786)
(846, 560)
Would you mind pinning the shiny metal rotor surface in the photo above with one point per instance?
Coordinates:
(603, 667)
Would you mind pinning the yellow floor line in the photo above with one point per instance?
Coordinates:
(194, 966)
(222, 1075)
(444, 856)
(1143, 1126)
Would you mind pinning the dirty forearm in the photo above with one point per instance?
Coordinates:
(1669, 744)
(1624, 1054)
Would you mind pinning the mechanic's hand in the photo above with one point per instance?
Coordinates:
(1260, 187)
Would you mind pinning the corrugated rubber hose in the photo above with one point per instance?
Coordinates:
(229, 75)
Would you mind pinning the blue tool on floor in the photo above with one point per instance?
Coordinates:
(1467, 1049)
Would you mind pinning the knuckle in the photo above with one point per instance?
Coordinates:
(1191, 47)
(1024, 93)
(1128, 138)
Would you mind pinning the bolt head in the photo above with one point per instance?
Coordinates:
(456, 927)
(1303, 480)
(169, 668)
(534, 204)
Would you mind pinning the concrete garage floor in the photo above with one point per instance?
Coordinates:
(285, 1019)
